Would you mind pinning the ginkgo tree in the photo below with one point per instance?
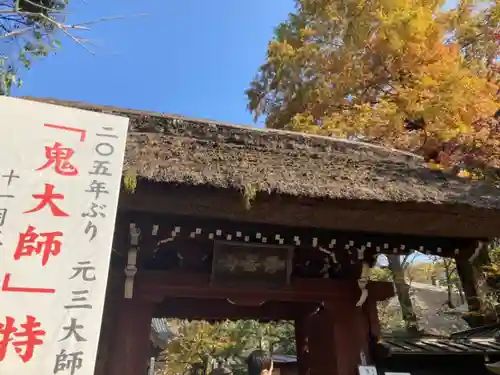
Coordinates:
(402, 73)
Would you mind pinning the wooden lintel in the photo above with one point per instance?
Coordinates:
(219, 309)
(157, 285)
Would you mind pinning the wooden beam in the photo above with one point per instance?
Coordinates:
(220, 309)
(157, 285)
(422, 219)
(182, 227)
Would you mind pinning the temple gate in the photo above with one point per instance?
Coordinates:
(219, 221)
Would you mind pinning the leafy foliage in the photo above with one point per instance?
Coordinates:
(408, 74)
(198, 346)
(492, 273)
(27, 32)
(444, 271)
(401, 73)
(194, 343)
(381, 274)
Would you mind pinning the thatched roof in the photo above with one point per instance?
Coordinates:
(177, 150)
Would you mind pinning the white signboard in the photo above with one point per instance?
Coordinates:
(60, 172)
(367, 370)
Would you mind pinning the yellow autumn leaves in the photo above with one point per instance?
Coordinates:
(360, 68)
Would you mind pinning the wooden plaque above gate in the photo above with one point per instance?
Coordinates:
(237, 263)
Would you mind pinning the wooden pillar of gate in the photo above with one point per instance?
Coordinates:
(338, 335)
(302, 343)
(114, 293)
(129, 347)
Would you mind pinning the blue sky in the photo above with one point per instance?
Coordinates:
(186, 57)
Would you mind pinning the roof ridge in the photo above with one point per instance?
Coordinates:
(249, 128)
(160, 149)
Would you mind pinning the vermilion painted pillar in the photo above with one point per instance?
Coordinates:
(129, 347)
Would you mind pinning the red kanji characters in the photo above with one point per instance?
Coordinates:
(6, 287)
(45, 244)
(59, 156)
(82, 132)
(24, 339)
(7, 329)
(47, 199)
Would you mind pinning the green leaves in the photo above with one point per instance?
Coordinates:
(28, 31)
(200, 342)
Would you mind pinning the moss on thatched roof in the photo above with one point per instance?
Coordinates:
(177, 150)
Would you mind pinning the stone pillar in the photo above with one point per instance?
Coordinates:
(129, 347)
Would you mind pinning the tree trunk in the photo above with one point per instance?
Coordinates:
(448, 284)
(403, 293)
(475, 289)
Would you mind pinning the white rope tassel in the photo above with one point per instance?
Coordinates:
(362, 283)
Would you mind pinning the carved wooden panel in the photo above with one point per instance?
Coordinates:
(237, 263)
